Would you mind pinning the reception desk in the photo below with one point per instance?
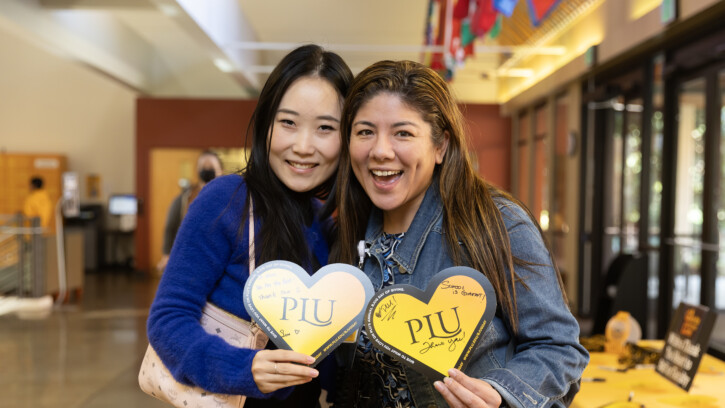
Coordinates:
(604, 385)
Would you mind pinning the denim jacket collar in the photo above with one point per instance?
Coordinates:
(429, 213)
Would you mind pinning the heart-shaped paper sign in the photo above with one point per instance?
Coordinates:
(435, 330)
(307, 314)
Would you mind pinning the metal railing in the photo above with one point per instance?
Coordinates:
(22, 256)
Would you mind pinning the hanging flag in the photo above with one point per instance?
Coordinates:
(467, 35)
(484, 18)
(540, 9)
(461, 44)
(496, 29)
(460, 10)
(505, 7)
(430, 30)
(438, 62)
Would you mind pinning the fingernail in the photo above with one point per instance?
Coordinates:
(447, 380)
(453, 372)
(438, 385)
(310, 360)
(314, 373)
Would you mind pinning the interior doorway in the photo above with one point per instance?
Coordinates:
(172, 170)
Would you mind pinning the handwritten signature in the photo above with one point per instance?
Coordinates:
(386, 311)
(430, 345)
(454, 341)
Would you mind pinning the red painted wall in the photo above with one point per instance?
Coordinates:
(192, 123)
(204, 123)
(490, 139)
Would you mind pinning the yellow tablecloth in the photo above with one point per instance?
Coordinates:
(648, 387)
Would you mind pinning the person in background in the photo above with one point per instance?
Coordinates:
(406, 190)
(295, 150)
(38, 203)
(208, 167)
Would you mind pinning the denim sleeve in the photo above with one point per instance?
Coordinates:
(547, 361)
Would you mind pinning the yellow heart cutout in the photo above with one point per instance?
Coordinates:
(307, 314)
(435, 330)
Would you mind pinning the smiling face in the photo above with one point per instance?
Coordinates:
(304, 145)
(393, 157)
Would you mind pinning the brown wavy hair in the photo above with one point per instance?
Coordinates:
(475, 231)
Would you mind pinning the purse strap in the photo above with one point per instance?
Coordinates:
(251, 235)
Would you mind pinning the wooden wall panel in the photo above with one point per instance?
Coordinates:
(16, 170)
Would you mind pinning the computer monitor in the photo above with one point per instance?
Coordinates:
(122, 204)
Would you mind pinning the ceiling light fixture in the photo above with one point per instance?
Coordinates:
(169, 10)
(223, 65)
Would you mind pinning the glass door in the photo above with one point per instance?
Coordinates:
(718, 337)
(696, 259)
(623, 178)
(621, 187)
(720, 277)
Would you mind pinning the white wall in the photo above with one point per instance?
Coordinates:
(52, 105)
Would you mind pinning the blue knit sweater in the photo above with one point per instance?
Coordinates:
(209, 261)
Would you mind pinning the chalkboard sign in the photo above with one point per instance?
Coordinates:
(685, 343)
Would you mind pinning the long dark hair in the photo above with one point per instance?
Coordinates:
(282, 211)
(471, 216)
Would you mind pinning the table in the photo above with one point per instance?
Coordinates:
(648, 387)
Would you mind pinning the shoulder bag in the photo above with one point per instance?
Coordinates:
(156, 380)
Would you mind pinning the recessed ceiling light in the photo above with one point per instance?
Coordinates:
(223, 65)
(169, 10)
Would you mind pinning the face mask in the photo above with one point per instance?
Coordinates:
(207, 175)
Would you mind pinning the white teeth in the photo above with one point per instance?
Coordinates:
(302, 165)
(385, 173)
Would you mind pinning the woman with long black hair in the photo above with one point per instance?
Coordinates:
(295, 150)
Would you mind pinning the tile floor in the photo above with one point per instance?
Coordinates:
(85, 355)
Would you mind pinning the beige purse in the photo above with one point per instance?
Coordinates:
(156, 380)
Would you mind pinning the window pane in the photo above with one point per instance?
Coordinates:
(632, 176)
(720, 279)
(718, 333)
(655, 188)
(655, 183)
(612, 244)
(689, 191)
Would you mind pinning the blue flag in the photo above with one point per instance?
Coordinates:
(505, 7)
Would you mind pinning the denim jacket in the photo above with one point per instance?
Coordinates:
(539, 367)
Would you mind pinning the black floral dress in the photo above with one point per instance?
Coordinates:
(391, 382)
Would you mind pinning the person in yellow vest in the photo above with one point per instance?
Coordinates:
(38, 203)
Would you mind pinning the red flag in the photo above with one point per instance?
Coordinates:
(484, 18)
(460, 10)
(540, 9)
(437, 62)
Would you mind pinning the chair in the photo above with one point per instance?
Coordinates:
(624, 288)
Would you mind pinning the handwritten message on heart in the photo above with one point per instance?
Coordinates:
(307, 314)
(435, 330)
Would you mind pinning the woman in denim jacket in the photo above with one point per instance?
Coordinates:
(410, 204)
